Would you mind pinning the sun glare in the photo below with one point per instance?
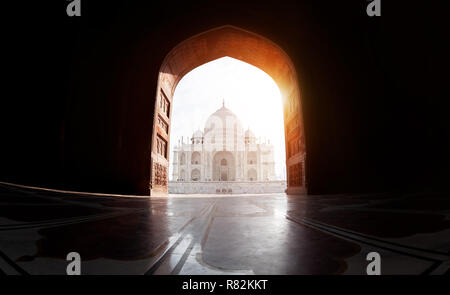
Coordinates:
(246, 90)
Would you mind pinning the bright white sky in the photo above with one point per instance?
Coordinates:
(249, 92)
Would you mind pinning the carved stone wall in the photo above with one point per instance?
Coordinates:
(160, 175)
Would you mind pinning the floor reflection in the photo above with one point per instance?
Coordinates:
(249, 234)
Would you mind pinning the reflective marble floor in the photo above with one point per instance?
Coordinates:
(223, 234)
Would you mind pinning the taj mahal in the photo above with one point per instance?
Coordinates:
(224, 159)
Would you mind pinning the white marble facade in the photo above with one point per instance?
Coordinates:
(223, 152)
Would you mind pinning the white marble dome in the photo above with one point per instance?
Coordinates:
(221, 118)
(223, 152)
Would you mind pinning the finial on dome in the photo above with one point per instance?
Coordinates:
(223, 102)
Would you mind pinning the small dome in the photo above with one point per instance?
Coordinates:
(197, 134)
(249, 133)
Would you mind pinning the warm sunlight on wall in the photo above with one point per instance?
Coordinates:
(248, 92)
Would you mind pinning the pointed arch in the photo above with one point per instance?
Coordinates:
(250, 48)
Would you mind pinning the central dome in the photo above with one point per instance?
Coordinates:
(223, 112)
(221, 120)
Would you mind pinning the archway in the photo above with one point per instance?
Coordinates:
(250, 48)
(195, 175)
(252, 158)
(182, 176)
(183, 159)
(252, 175)
(195, 158)
(224, 168)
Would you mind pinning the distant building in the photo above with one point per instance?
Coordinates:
(224, 158)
